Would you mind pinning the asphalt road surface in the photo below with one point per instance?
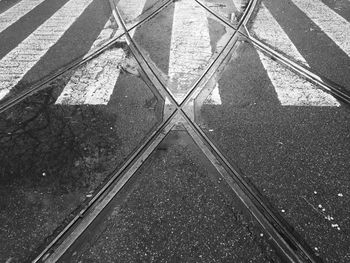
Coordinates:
(61, 143)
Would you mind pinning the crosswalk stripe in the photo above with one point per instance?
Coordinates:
(190, 51)
(238, 4)
(190, 47)
(268, 30)
(214, 97)
(97, 75)
(94, 82)
(17, 11)
(22, 58)
(291, 89)
(131, 9)
(335, 26)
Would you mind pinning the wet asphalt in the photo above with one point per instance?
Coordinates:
(175, 208)
(323, 55)
(72, 46)
(54, 157)
(297, 157)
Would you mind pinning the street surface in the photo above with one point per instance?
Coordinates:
(70, 120)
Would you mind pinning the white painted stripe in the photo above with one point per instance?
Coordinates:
(167, 101)
(131, 9)
(238, 4)
(17, 11)
(334, 25)
(21, 59)
(214, 97)
(94, 82)
(291, 90)
(190, 48)
(268, 30)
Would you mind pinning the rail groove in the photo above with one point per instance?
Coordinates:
(293, 248)
(40, 85)
(327, 85)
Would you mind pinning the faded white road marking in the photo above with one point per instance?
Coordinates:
(334, 25)
(14, 13)
(268, 30)
(238, 4)
(131, 9)
(190, 48)
(291, 90)
(94, 82)
(214, 97)
(21, 59)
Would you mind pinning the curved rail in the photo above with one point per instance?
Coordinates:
(287, 242)
(40, 85)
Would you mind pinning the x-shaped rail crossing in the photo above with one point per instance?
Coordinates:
(180, 114)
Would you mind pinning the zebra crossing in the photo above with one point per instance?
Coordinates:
(190, 49)
(13, 14)
(22, 58)
(335, 26)
(291, 89)
(100, 74)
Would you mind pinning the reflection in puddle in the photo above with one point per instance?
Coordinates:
(54, 156)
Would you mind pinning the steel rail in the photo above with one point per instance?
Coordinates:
(140, 58)
(213, 65)
(277, 235)
(109, 191)
(332, 88)
(327, 85)
(231, 176)
(125, 165)
(40, 85)
(262, 207)
(293, 247)
(44, 255)
(115, 176)
(249, 198)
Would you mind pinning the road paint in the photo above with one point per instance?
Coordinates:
(268, 30)
(94, 82)
(22, 58)
(131, 9)
(214, 97)
(190, 48)
(333, 25)
(290, 89)
(17, 11)
(238, 4)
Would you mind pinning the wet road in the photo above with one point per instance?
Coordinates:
(296, 156)
(86, 110)
(319, 30)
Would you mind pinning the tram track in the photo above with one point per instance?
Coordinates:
(138, 155)
(327, 85)
(41, 84)
(283, 236)
(324, 83)
(289, 244)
